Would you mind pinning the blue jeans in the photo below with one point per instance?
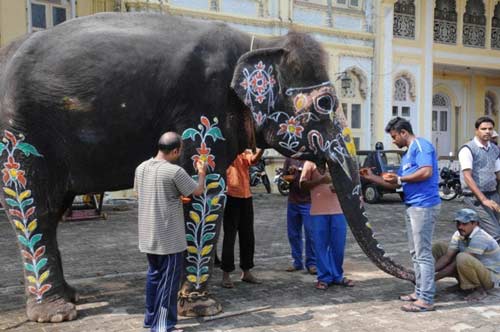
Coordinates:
(420, 223)
(297, 216)
(162, 286)
(329, 237)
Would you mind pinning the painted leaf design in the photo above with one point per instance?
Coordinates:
(204, 120)
(194, 216)
(198, 207)
(192, 250)
(204, 278)
(23, 240)
(44, 289)
(212, 176)
(189, 133)
(32, 290)
(29, 267)
(12, 202)
(35, 239)
(26, 255)
(25, 194)
(32, 225)
(32, 279)
(204, 269)
(10, 137)
(206, 250)
(212, 217)
(15, 213)
(28, 149)
(190, 238)
(191, 269)
(30, 211)
(213, 185)
(20, 226)
(2, 147)
(39, 252)
(215, 133)
(209, 227)
(40, 264)
(208, 237)
(192, 278)
(43, 277)
(9, 192)
(27, 202)
(215, 200)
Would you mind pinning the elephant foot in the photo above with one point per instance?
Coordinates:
(196, 304)
(70, 293)
(51, 310)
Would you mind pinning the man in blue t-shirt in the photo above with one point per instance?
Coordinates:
(418, 175)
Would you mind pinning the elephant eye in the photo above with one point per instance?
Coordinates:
(324, 104)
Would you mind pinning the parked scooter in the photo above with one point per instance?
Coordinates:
(258, 175)
(281, 183)
(449, 186)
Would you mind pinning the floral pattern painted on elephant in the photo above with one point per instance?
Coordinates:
(205, 209)
(22, 212)
(259, 85)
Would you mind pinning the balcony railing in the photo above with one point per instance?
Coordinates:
(474, 35)
(404, 26)
(445, 32)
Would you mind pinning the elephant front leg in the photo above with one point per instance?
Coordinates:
(203, 217)
(48, 295)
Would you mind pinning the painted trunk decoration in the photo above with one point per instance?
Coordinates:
(78, 93)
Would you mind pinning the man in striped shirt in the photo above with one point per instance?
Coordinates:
(159, 183)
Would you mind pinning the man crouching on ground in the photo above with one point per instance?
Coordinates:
(472, 256)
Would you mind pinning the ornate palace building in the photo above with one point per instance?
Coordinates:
(435, 62)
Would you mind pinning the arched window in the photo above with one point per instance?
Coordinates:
(402, 103)
(495, 28)
(445, 22)
(352, 95)
(474, 24)
(404, 19)
(490, 105)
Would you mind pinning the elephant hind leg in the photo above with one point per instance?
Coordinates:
(25, 197)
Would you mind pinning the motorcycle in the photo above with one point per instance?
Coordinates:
(449, 187)
(258, 175)
(281, 183)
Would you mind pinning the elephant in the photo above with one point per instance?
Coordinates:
(96, 93)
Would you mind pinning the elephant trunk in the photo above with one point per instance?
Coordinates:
(345, 178)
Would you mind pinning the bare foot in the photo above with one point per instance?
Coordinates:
(477, 295)
(247, 276)
(226, 280)
(50, 310)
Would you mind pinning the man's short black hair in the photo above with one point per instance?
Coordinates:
(169, 141)
(399, 124)
(482, 120)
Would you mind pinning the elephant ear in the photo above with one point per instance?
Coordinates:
(256, 80)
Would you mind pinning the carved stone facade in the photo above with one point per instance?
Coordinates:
(474, 34)
(404, 19)
(495, 28)
(445, 22)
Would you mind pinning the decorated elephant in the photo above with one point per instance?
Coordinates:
(96, 92)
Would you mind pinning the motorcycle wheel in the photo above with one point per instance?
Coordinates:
(283, 188)
(446, 193)
(266, 183)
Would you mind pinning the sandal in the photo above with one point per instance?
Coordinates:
(407, 298)
(413, 307)
(227, 283)
(312, 270)
(321, 285)
(344, 282)
(292, 269)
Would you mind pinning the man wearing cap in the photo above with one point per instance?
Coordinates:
(472, 256)
(480, 171)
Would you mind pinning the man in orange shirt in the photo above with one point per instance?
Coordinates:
(238, 218)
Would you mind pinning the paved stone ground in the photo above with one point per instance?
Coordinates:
(101, 259)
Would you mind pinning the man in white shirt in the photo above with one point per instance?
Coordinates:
(480, 171)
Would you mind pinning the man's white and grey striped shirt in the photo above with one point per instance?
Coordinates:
(159, 184)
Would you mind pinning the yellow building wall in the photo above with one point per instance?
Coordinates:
(13, 22)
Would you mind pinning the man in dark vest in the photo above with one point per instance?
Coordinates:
(480, 171)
